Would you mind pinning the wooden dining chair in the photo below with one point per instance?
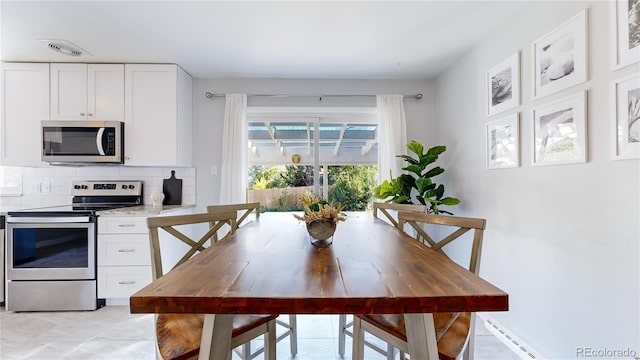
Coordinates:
(243, 216)
(178, 335)
(454, 331)
(388, 212)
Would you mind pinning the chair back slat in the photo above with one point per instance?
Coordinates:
(421, 235)
(463, 224)
(196, 245)
(214, 220)
(180, 236)
(243, 210)
(456, 234)
(384, 207)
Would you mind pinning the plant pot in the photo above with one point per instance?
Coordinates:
(321, 232)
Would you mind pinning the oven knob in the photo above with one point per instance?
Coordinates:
(85, 187)
(124, 187)
(131, 187)
(76, 187)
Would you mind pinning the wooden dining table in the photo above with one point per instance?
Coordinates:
(270, 267)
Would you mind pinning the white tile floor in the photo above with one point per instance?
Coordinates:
(115, 334)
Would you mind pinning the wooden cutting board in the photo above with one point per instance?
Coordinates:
(172, 189)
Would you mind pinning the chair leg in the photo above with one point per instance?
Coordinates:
(468, 353)
(391, 351)
(358, 340)
(293, 336)
(246, 351)
(270, 341)
(342, 336)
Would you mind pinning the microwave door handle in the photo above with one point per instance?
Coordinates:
(99, 141)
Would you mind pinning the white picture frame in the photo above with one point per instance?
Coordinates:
(625, 117)
(503, 142)
(626, 36)
(560, 131)
(502, 85)
(560, 57)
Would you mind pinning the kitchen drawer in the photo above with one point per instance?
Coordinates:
(123, 225)
(123, 281)
(125, 249)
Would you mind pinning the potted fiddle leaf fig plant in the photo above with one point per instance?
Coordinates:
(417, 184)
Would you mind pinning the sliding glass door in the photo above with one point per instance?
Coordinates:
(332, 155)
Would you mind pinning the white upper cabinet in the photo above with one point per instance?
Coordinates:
(87, 92)
(24, 101)
(158, 111)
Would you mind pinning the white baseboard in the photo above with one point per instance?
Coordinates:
(517, 345)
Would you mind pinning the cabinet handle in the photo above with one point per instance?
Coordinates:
(126, 225)
(126, 250)
(81, 114)
(90, 114)
(130, 282)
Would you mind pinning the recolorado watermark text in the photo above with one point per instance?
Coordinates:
(589, 352)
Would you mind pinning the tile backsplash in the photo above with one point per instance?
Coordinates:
(45, 186)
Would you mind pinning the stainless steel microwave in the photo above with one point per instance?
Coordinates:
(88, 142)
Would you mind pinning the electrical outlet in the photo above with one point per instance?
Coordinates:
(45, 187)
(35, 188)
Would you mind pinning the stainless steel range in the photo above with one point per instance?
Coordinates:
(51, 252)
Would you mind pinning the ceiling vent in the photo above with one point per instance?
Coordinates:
(65, 47)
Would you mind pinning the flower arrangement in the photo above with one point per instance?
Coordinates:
(317, 208)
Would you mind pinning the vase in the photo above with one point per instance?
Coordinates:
(321, 232)
(156, 199)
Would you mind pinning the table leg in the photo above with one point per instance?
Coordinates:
(421, 336)
(216, 337)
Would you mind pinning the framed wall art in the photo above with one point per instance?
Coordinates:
(625, 22)
(560, 131)
(503, 85)
(560, 57)
(503, 142)
(625, 117)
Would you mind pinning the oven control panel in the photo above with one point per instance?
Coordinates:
(106, 188)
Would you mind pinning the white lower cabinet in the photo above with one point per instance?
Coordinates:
(124, 257)
(118, 282)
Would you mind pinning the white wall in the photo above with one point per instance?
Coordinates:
(562, 240)
(208, 114)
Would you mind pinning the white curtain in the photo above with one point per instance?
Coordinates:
(392, 135)
(233, 171)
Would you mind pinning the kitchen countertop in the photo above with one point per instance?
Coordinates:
(140, 210)
(144, 210)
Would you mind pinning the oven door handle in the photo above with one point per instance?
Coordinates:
(55, 219)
